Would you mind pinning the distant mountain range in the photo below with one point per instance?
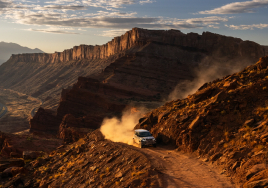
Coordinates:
(7, 49)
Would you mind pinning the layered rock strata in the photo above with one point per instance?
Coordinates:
(225, 122)
(141, 65)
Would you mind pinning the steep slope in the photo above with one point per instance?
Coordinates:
(44, 75)
(147, 73)
(225, 121)
(7, 49)
(96, 162)
(90, 162)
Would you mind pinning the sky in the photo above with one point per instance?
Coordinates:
(57, 25)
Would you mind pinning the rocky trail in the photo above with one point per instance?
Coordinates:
(183, 170)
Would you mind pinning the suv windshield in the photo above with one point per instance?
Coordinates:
(144, 134)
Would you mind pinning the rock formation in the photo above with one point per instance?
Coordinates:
(141, 65)
(225, 122)
(91, 162)
(149, 67)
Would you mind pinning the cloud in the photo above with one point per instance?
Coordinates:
(58, 15)
(116, 21)
(113, 33)
(237, 7)
(207, 20)
(105, 19)
(64, 7)
(5, 4)
(54, 31)
(247, 27)
(109, 5)
(111, 14)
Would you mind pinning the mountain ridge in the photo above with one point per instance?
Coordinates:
(138, 37)
(7, 49)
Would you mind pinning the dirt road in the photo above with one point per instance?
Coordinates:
(180, 170)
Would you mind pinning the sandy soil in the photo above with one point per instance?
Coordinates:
(182, 170)
(19, 110)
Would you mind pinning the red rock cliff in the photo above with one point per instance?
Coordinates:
(138, 37)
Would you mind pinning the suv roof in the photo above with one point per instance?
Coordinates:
(141, 130)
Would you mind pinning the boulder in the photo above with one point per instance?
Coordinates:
(15, 155)
(249, 122)
(31, 155)
(257, 184)
(12, 171)
(39, 162)
(235, 165)
(216, 156)
(262, 63)
(6, 163)
(195, 123)
(254, 170)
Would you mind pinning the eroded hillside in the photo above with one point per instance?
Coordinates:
(153, 64)
(138, 56)
(225, 122)
(90, 162)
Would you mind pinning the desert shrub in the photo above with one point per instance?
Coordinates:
(117, 183)
(107, 169)
(102, 175)
(226, 135)
(29, 138)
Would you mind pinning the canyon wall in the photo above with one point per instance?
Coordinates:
(139, 37)
(148, 72)
(117, 45)
(140, 66)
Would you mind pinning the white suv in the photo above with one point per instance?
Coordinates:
(143, 138)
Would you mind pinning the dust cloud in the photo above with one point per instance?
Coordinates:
(121, 130)
(206, 72)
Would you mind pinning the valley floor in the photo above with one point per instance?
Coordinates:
(20, 107)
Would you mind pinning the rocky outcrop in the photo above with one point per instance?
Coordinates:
(44, 120)
(91, 162)
(16, 146)
(224, 122)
